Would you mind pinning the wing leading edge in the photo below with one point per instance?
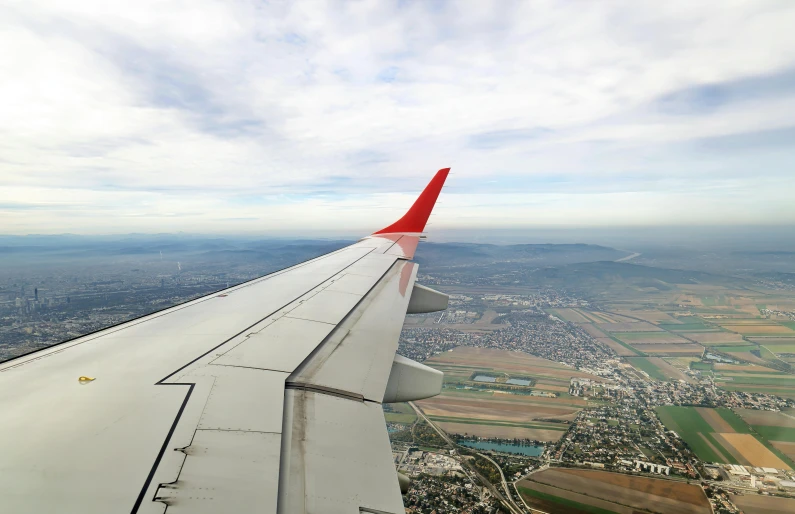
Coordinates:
(265, 397)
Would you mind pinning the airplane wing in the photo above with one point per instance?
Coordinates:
(264, 397)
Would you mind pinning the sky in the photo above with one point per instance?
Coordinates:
(321, 117)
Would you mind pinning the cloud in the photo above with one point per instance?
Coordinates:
(302, 115)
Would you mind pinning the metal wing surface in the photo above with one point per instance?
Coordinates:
(264, 397)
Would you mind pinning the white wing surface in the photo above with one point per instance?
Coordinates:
(264, 397)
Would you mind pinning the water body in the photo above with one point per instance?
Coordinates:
(530, 451)
(484, 378)
(518, 381)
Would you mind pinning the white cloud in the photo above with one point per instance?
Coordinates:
(245, 116)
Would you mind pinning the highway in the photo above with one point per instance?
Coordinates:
(628, 257)
(504, 482)
(509, 503)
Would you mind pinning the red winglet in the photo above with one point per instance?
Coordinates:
(415, 219)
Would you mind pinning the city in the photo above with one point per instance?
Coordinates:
(601, 396)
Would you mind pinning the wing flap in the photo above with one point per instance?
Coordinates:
(336, 457)
(357, 357)
(226, 471)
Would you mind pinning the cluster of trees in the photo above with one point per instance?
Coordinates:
(487, 469)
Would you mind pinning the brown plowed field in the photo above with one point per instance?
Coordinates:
(785, 447)
(650, 316)
(755, 504)
(493, 409)
(714, 419)
(592, 330)
(773, 340)
(759, 329)
(744, 367)
(754, 452)
(638, 326)
(504, 432)
(650, 338)
(516, 362)
(570, 315)
(670, 349)
(619, 349)
(766, 418)
(727, 445)
(670, 371)
(570, 495)
(626, 490)
(713, 337)
(747, 356)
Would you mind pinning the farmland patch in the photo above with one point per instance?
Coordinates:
(755, 504)
(620, 491)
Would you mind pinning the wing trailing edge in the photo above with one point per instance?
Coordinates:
(415, 219)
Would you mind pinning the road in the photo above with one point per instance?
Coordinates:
(504, 482)
(509, 502)
(628, 257)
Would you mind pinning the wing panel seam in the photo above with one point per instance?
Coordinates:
(153, 470)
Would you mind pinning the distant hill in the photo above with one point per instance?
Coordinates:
(458, 254)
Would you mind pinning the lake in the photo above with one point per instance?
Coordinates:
(518, 382)
(484, 378)
(530, 451)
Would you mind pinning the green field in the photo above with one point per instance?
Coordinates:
(696, 432)
(565, 502)
(646, 365)
(401, 413)
(733, 344)
(781, 348)
(704, 366)
(735, 348)
(641, 336)
(777, 380)
(789, 324)
(785, 392)
(737, 423)
(689, 324)
(776, 433)
(622, 343)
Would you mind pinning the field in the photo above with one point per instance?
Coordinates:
(752, 368)
(755, 504)
(787, 449)
(719, 435)
(629, 327)
(649, 338)
(774, 341)
(556, 488)
(650, 315)
(585, 316)
(670, 349)
(776, 427)
(464, 407)
(759, 329)
(621, 349)
(399, 413)
(504, 431)
(569, 315)
(657, 368)
(767, 418)
(711, 338)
